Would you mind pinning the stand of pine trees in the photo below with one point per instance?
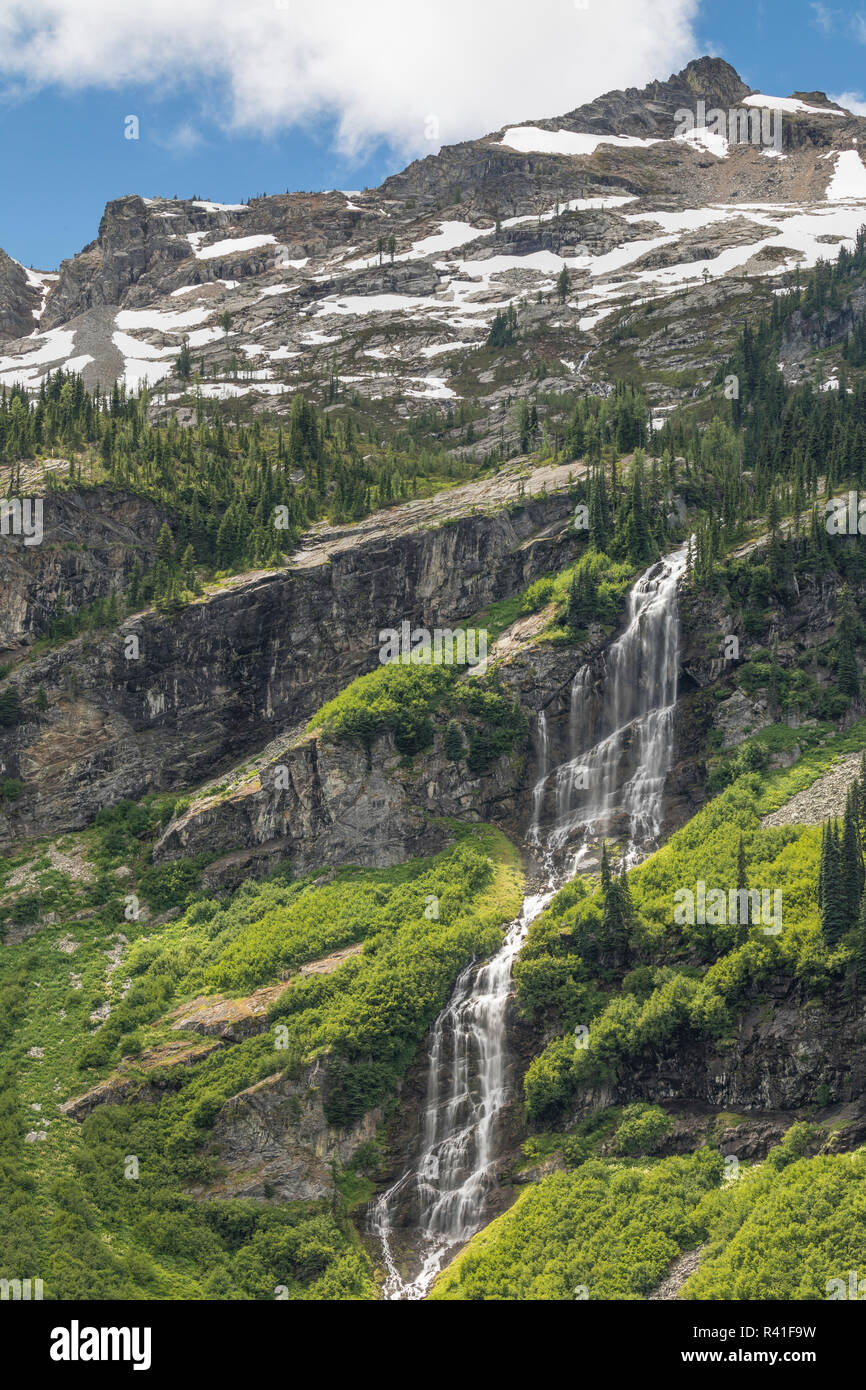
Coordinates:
(503, 329)
(776, 450)
(619, 421)
(220, 479)
(610, 944)
(841, 878)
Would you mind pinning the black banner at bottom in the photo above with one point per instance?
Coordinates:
(60, 1340)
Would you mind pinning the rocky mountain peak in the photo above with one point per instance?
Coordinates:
(650, 110)
(395, 289)
(713, 80)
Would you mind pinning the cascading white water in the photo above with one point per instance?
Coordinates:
(538, 789)
(444, 1195)
(614, 779)
(445, 1190)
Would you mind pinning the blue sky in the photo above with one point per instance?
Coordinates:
(67, 155)
(62, 124)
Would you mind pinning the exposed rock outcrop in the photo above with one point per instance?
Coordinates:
(343, 805)
(134, 1079)
(90, 544)
(787, 1054)
(823, 799)
(20, 300)
(226, 674)
(229, 1019)
(273, 1139)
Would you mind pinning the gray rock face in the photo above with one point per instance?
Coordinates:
(274, 1141)
(138, 240)
(231, 671)
(806, 334)
(345, 806)
(785, 1050)
(825, 798)
(90, 545)
(18, 300)
(650, 111)
(709, 696)
(143, 249)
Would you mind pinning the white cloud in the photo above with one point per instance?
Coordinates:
(852, 101)
(184, 139)
(825, 18)
(417, 74)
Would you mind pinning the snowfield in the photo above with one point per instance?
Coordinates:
(791, 104)
(849, 180)
(531, 139)
(58, 346)
(706, 139)
(219, 207)
(156, 318)
(230, 247)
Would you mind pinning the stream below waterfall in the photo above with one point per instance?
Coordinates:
(612, 783)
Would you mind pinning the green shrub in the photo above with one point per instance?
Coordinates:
(393, 698)
(641, 1128)
(405, 700)
(537, 595)
(784, 1230)
(169, 885)
(597, 1233)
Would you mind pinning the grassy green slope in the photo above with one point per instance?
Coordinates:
(785, 1229)
(71, 1213)
(613, 1223)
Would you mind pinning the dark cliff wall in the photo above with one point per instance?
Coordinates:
(91, 542)
(230, 672)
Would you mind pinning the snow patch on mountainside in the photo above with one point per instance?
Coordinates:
(132, 347)
(219, 207)
(791, 104)
(449, 236)
(374, 304)
(230, 247)
(157, 318)
(849, 180)
(138, 373)
(573, 205)
(531, 139)
(57, 345)
(707, 139)
(40, 280)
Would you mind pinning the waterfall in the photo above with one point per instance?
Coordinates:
(446, 1189)
(620, 738)
(621, 728)
(538, 789)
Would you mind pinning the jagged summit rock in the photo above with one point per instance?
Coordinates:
(650, 109)
(394, 289)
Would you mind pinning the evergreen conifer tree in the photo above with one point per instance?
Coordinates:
(834, 905)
